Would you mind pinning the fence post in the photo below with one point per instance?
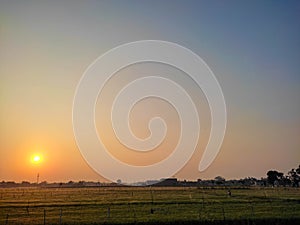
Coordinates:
(252, 210)
(44, 216)
(60, 215)
(108, 212)
(223, 211)
(200, 214)
(6, 221)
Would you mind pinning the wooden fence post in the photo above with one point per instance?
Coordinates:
(6, 221)
(60, 215)
(223, 211)
(108, 212)
(44, 216)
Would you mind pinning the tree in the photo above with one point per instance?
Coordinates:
(298, 170)
(274, 176)
(294, 177)
(219, 180)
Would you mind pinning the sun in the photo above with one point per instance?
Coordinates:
(36, 159)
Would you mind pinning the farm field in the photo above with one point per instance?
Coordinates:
(149, 205)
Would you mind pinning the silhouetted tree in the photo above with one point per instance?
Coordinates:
(298, 170)
(294, 177)
(219, 180)
(274, 177)
(286, 181)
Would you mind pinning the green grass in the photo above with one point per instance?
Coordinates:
(132, 205)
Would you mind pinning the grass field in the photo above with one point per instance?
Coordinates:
(145, 205)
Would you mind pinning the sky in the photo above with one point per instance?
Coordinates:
(252, 47)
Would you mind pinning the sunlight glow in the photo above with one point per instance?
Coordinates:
(36, 159)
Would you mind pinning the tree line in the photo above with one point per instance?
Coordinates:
(274, 178)
(292, 178)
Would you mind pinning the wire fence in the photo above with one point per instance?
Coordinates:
(136, 205)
